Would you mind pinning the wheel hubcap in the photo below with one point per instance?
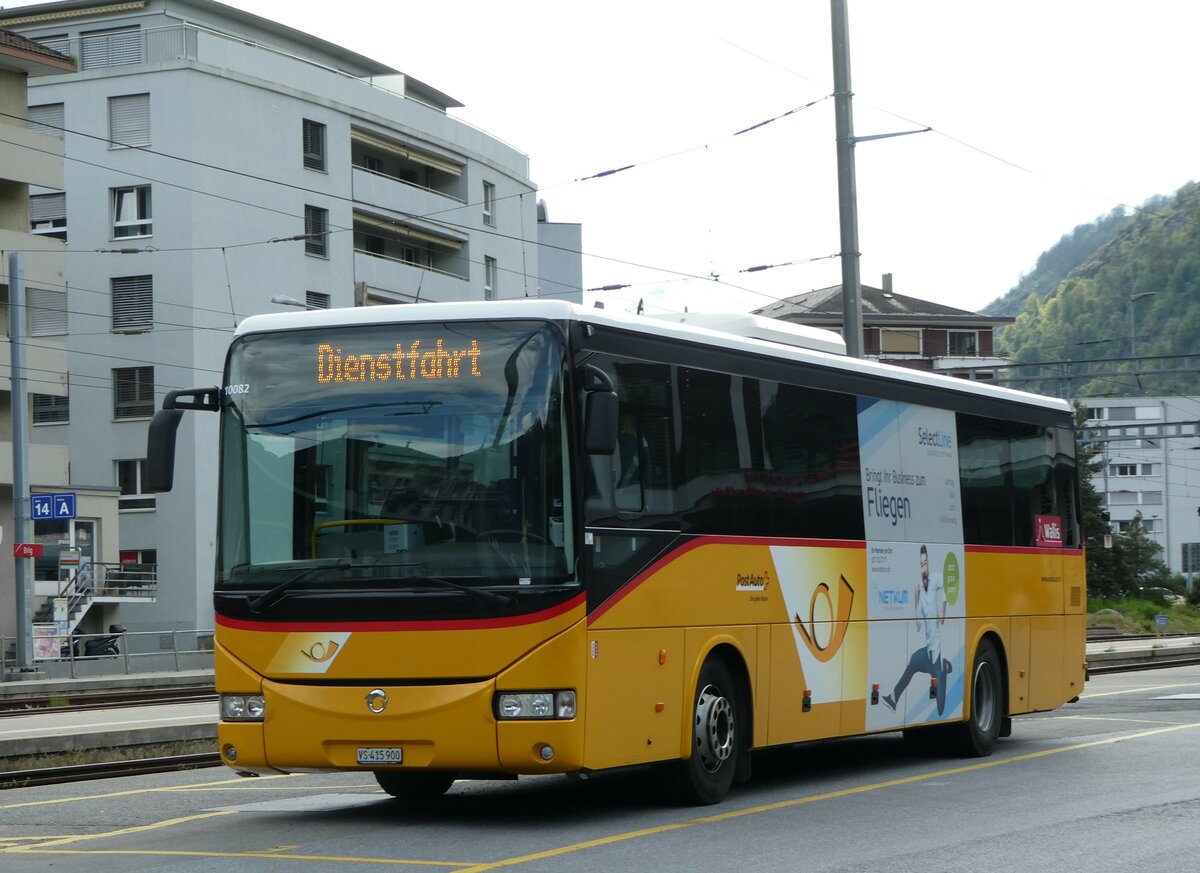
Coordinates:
(714, 728)
(983, 702)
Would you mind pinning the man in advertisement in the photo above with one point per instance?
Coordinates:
(931, 615)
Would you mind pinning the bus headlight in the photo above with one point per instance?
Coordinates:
(243, 707)
(535, 704)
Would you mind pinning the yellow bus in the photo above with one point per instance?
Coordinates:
(528, 537)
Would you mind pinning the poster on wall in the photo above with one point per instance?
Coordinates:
(915, 581)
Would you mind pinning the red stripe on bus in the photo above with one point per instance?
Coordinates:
(375, 626)
(1022, 550)
(674, 555)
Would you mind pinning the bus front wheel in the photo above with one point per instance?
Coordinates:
(705, 777)
(415, 785)
(977, 736)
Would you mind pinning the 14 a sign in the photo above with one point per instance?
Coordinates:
(49, 507)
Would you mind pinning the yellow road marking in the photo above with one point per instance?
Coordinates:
(831, 795)
(469, 867)
(75, 838)
(165, 853)
(167, 788)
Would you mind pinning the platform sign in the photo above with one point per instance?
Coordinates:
(49, 507)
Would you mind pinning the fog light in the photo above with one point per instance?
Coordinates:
(230, 753)
(547, 752)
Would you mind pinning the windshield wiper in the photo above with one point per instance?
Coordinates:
(493, 596)
(273, 595)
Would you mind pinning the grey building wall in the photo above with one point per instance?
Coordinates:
(1156, 473)
(229, 190)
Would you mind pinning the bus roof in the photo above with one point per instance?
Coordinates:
(734, 331)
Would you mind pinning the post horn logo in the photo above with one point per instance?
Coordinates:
(824, 651)
(377, 700)
(320, 652)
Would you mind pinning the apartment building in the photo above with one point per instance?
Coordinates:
(1149, 449)
(218, 165)
(29, 159)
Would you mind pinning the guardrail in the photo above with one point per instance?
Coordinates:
(130, 653)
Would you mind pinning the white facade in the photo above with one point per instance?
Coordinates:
(206, 175)
(1151, 465)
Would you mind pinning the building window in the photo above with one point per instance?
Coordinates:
(489, 204)
(314, 145)
(316, 231)
(111, 48)
(129, 121)
(489, 278)
(130, 476)
(962, 343)
(47, 312)
(133, 392)
(316, 300)
(893, 341)
(46, 118)
(60, 43)
(51, 409)
(132, 304)
(131, 212)
(48, 215)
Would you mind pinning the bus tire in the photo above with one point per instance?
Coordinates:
(977, 736)
(415, 785)
(705, 777)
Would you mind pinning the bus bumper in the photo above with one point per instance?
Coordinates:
(439, 727)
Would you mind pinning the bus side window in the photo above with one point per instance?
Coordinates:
(629, 463)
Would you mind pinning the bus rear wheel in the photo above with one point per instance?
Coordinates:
(977, 736)
(707, 774)
(415, 785)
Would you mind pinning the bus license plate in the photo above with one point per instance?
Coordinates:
(380, 756)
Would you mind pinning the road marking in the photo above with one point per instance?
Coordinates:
(47, 848)
(168, 853)
(1122, 720)
(1178, 697)
(831, 795)
(169, 788)
(75, 838)
(1139, 689)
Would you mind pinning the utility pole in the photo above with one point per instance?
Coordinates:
(852, 322)
(20, 449)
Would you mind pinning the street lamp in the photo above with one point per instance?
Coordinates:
(1133, 321)
(285, 300)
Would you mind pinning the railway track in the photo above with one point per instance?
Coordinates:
(106, 770)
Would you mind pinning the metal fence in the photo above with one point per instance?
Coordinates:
(116, 654)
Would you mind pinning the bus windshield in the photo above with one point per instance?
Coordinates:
(395, 457)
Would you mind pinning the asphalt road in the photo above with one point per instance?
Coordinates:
(1111, 783)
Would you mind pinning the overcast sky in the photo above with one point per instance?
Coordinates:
(1046, 114)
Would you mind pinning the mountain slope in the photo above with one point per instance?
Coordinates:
(1090, 315)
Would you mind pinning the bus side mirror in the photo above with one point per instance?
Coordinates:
(600, 422)
(160, 451)
(160, 440)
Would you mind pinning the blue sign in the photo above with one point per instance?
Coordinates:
(48, 507)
